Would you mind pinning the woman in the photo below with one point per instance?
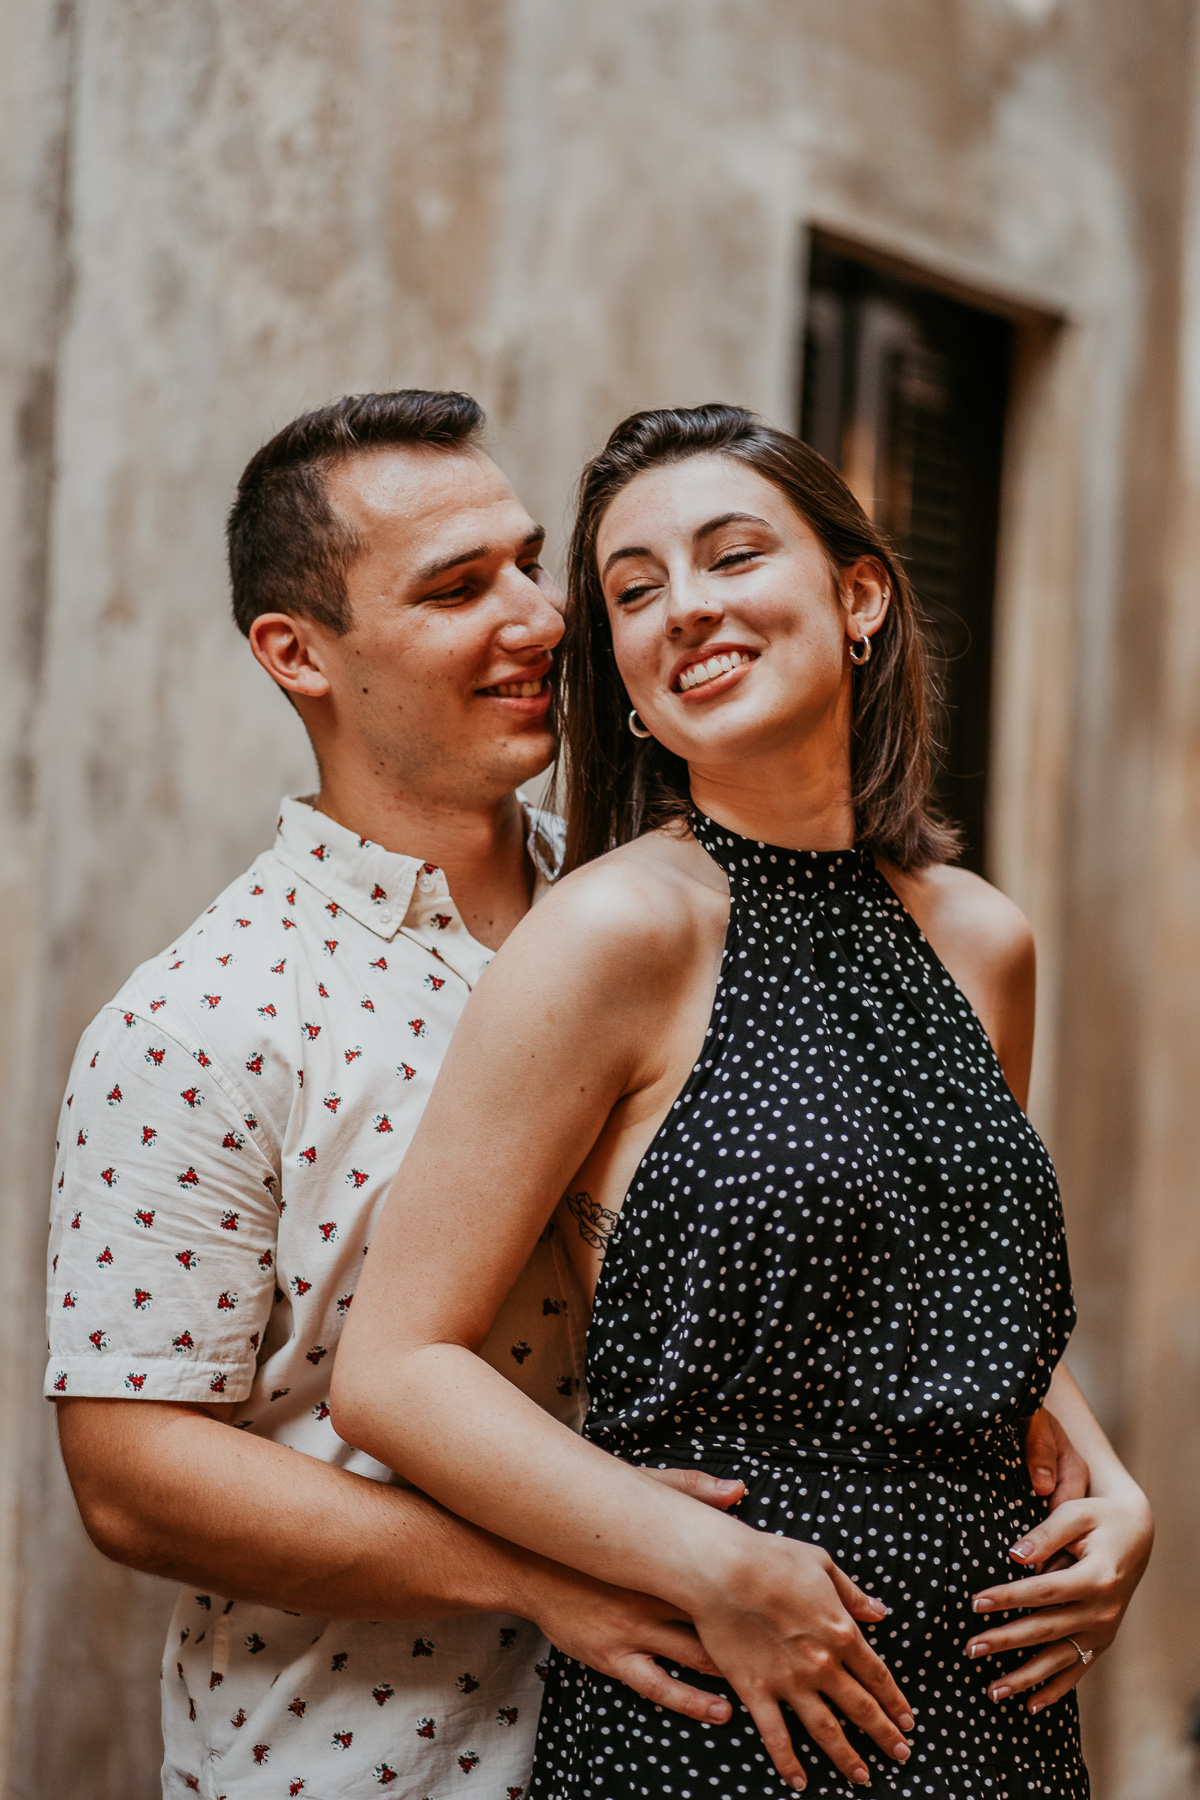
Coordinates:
(771, 1052)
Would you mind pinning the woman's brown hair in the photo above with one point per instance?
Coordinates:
(619, 786)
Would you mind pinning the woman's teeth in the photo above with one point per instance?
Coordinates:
(515, 690)
(699, 673)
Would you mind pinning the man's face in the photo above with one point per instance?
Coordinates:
(442, 680)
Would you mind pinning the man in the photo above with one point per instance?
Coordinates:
(234, 1119)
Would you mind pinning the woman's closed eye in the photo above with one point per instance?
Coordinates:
(732, 557)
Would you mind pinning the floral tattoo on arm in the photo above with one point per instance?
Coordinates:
(596, 1223)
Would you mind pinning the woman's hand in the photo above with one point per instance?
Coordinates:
(778, 1620)
(1090, 1555)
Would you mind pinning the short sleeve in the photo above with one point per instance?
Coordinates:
(163, 1226)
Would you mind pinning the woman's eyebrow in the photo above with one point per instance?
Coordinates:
(702, 531)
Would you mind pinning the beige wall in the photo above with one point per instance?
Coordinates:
(213, 214)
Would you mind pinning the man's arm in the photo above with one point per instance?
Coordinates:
(174, 1491)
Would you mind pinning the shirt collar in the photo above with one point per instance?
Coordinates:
(382, 889)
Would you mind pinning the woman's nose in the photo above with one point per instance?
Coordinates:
(690, 602)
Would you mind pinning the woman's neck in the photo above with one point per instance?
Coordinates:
(800, 802)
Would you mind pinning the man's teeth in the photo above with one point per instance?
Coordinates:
(708, 671)
(516, 690)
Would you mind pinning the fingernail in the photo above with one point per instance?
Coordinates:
(718, 1713)
(1035, 1706)
(878, 1606)
(903, 1753)
(983, 1605)
(1024, 1550)
(1000, 1692)
(725, 1482)
(799, 1783)
(906, 1721)
(862, 1778)
(980, 1649)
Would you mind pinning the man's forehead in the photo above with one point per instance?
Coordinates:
(415, 498)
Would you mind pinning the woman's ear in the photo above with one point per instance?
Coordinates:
(865, 593)
(289, 649)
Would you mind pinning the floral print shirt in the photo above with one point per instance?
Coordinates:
(231, 1126)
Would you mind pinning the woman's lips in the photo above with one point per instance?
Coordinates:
(714, 673)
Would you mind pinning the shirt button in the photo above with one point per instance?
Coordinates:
(425, 883)
(385, 917)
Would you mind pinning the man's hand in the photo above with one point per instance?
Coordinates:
(1055, 1466)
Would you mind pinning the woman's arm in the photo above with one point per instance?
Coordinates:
(1092, 1553)
(567, 1021)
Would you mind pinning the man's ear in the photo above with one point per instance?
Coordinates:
(290, 650)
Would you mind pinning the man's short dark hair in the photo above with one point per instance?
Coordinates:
(289, 551)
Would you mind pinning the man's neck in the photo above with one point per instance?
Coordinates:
(480, 847)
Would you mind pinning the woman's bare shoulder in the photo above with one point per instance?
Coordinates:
(975, 929)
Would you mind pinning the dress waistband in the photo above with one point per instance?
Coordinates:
(999, 1443)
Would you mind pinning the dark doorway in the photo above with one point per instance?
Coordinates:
(905, 390)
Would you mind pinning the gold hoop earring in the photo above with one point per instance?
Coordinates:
(636, 726)
(864, 644)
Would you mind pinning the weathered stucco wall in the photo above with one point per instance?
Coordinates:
(213, 215)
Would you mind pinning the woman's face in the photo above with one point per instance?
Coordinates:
(729, 628)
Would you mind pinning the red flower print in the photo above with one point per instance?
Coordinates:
(407, 1070)
(344, 1303)
(378, 894)
(184, 1342)
(515, 1793)
(541, 1670)
(368, 1005)
(233, 1140)
(108, 1176)
(148, 1136)
(296, 1787)
(380, 963)
(187, 1259)
(299, 1707)
(278, 968)
(342, 1740)
(340, 1659)
(426, 1728)
(422, 1647)
(311, 1031)
(114, 1096)
(333, 1101)
(382, 1122)
(322, 990)
(190, 1781)
(290, 896)
(255, 1063)
(468, 1761)
(385, 1774)
(77, 1220)
(265, 1260)
(128, 1018)
(217, 1384)
(205, 1601)
(417, 1027)
(229, 1221)
(321, 1412)
(145, 1219)
(98, 1340)
(175, 965)
(551, 1308)
(352, 1054)
(331, 945)
(332, 908)
(279, 1393)
(60, 1382)
(192, 1096)
(520, 1351)
(136, 1382)
(289, 924)
(300, 1287)
(251, 1121)
(261, 1752)
(308, 1156)
(507, 1715)
(105, 1258)
(224, 962)
(254, 1643)
(508, 1636)
(215, 1680)
(383, 1693)
(243, 923)
(239, 1718)
(157, 1005)
(226, 1301)
(81, 1140)
(429, 868)
(441, 920)
(189, 1178)
(316, 1354)
(435, 982)
(267, 1012)
(142, 1298)
(156, 1057)
(466, 1684)
(328, 1231)
(320, 852)
(359, 1177)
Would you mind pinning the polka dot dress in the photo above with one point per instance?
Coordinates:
(839, 1274)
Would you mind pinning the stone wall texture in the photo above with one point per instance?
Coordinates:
(213, 215)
